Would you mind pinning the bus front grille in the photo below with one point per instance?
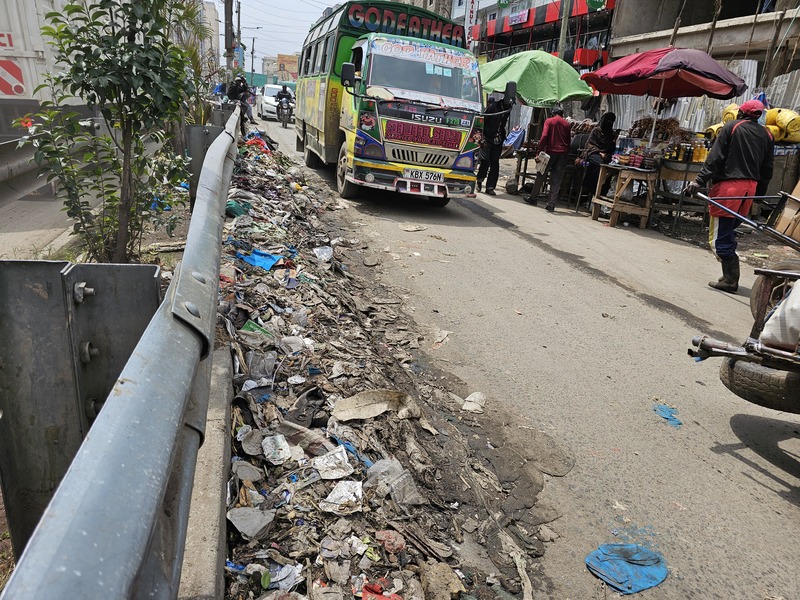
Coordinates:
(420, 158)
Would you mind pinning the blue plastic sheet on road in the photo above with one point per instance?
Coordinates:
(668, 414)
(628, 568)
(257, 258)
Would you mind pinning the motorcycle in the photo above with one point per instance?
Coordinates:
(765, 368)
(284, 112)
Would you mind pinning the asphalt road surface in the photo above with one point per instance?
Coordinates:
(575, 329)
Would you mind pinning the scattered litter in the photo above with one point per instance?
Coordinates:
(337, 483)
(276, 449)
(371, 403)
(333, 465)
(323, 253)
(668, 414)
(345, 498)
(628, 568)
(252, 523)
(474, 403)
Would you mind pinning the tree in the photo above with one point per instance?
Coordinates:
(117, 56)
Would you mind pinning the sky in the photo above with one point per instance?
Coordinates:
(278, 26)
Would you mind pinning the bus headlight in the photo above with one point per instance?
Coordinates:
(369, 177)
(464, 162)
(373, 151)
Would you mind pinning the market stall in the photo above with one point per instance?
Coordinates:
(668, 153)
(543, 81)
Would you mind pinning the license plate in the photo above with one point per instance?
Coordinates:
(420, 175)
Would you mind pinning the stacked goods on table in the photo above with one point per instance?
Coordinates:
(666, 130)
(584, 126)
(782, 123)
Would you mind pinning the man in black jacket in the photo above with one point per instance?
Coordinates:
(239, 91)
(494, 133)
(739, 166)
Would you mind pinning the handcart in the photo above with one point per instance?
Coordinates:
(761, 374)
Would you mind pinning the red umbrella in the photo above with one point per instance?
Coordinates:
(667, 73)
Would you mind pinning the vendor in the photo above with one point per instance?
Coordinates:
(739, 167)
(599, 150)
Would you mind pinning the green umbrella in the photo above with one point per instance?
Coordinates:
(542, 79)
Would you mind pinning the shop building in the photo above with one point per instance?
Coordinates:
(505, 27)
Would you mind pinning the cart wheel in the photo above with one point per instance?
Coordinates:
(779, 289)
(511, 187)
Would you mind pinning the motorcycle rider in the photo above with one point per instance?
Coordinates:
(239, 91)
(285, 93)
(739, 166)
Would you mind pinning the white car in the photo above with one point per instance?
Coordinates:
(266, 104)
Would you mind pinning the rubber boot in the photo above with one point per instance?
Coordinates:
(730, 275)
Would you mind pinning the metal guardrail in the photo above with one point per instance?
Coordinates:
(116, 525)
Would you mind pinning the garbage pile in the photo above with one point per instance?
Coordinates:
(345, 481)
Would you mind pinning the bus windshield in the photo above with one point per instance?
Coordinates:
(424, 72)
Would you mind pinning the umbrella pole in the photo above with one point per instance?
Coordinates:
(655, 116)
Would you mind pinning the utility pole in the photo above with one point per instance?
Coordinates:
(252, 61)
(239, 30)
(229, 35)
(566, 9)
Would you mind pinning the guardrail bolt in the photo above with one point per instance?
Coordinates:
(192, 308)
(200, 277)
(80, 291)
(93, 406)
(87, 351)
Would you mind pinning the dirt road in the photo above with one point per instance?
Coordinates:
(575, 330)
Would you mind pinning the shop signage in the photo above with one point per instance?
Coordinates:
(470, 19)
(518, 18)
(596, 4)
(385, 20)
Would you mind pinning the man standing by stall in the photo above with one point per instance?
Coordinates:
(555, 141)
(739, 166)
(494, 132)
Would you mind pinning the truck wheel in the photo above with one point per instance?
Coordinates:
(778, 290)
(438, 201)
(767, 387)
(347, 189)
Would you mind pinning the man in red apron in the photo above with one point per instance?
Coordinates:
(739, 166)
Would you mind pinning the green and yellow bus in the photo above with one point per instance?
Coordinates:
(409, 117)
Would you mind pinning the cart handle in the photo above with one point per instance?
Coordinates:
(766, 229)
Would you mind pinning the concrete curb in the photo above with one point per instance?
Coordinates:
(202, 575)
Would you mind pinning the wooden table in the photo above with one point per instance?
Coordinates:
(625, 177)
(684, 172)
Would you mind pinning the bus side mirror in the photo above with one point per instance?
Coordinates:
(511, 92)
(348, 75)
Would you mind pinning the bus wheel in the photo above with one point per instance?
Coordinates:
(347, 189)
(438, 201)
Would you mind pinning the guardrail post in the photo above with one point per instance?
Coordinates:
(67, 331)
(198, 140)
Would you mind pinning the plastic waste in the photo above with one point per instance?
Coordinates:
(668, 414)
(344, 499)
(333, 465)
(387, 477)
(276, 449)
(628, 568)
(371, 403)
(252, 523)
(324, 253)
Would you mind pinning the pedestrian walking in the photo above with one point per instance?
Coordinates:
(555, 141)
(739, 166)
(494, 132)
